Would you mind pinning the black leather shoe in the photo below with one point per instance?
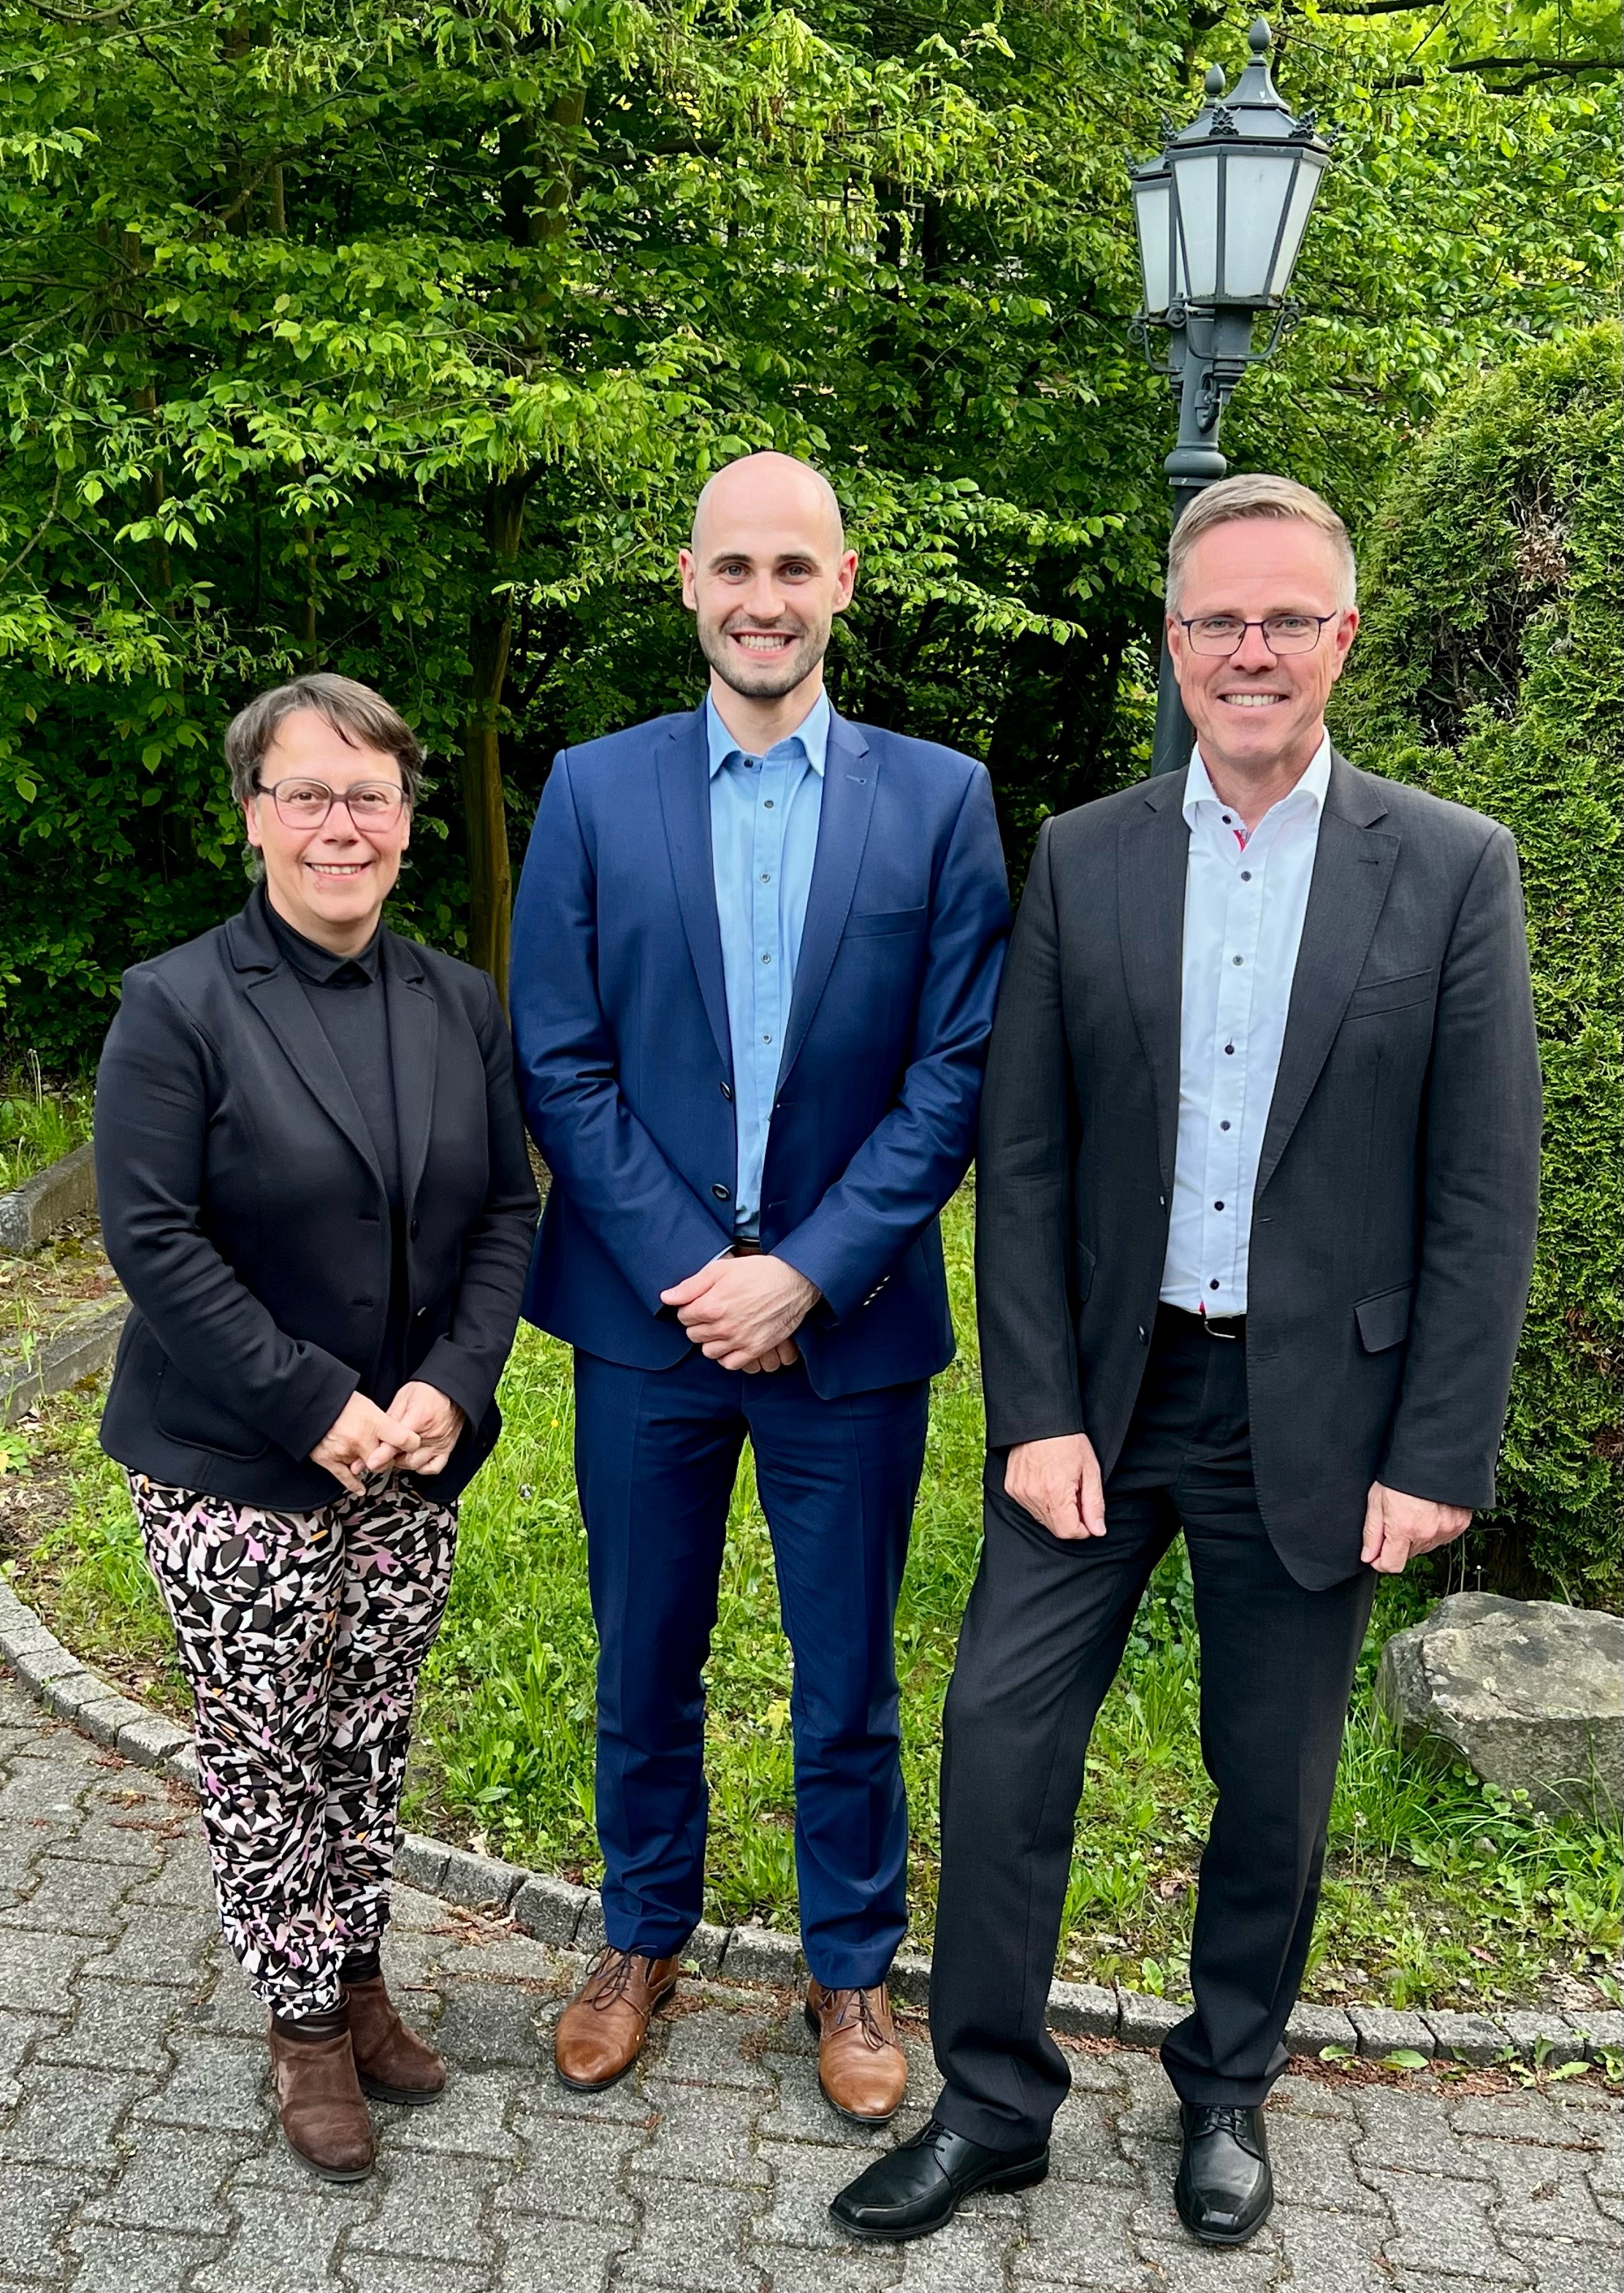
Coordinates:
(920, 2185)
(1224, 2192)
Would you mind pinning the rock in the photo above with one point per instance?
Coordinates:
(1528, 1694)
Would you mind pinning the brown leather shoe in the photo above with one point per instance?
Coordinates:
(319, 2101)
(391, 2062)
(601, 2031)
(862, 2068)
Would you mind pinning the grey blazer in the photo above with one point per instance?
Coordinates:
(1392, 1226)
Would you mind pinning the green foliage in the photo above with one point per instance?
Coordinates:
(344, 333)
(1437, 1889)
(1488, 669)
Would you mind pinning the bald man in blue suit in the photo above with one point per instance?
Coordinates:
(755, 954)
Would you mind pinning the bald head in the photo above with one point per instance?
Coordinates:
(770, 488)
(765, 573)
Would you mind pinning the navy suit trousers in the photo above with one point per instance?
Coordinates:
(656, 1452)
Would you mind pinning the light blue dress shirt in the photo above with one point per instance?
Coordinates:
(764, 837)
(1245, 899)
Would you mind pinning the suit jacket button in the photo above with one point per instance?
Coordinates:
(722, 1194)
(416, 1229)
(1141, 1338)
(421, 1315)
(727, 1093)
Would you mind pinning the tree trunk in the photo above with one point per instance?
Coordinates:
(536, 183)
(489, 637)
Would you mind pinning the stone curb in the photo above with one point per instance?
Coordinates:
(567, 1917)
(81, 1342)
(31, 1213)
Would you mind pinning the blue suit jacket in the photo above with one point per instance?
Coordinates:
(620, 1023)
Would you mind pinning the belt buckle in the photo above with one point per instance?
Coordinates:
(1227, 1337)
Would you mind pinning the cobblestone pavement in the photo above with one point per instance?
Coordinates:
(137, 2151)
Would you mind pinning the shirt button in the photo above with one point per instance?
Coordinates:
(1239, 959)
(767, 804)
(766, 1039)
(766, 959)
(1212, 1285)
(1245, 875)
(1224, 1126)
(1217, 1206)
(1229, 1053)
(766, 879)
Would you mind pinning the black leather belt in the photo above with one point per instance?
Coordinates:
(746, 1246)
(1214, 1326)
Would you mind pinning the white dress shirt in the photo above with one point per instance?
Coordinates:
(1245, 898)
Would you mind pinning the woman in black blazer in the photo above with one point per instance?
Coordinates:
(315, 1188)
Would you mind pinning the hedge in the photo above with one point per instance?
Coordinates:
(1488, 669)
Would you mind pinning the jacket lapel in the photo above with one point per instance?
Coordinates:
(285, 1007)
(414, 1028)
(1154, 858)
(681, 770)
(850, 772)
(1352, 871)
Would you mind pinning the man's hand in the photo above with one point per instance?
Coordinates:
(1058, 1482)
(742, 1312)
(436, 1424)
(1397, 1525)
(362, 1440)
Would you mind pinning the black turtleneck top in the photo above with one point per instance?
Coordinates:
(347, 994)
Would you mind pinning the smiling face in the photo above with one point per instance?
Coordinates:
(767, 572)
(1257, 715)
(329, 882)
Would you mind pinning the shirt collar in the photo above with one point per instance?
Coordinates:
(1315, 784)
(811, 734)
(320, 964)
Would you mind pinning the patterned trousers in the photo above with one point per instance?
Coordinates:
(302, 1634)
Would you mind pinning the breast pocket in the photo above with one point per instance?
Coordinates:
(1374, 997)
(875, 923)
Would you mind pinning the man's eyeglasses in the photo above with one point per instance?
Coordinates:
(1225, 633)
(306, 804)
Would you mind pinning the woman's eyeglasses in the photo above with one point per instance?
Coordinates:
(306, 804)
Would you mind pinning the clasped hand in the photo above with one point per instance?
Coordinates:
(416, 1434)
(742, 1312)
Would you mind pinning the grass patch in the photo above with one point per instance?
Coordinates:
(37, 1127)
(1438, 1890)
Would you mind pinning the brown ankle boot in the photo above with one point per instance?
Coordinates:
(601, 2031)
(391, 2062)
(320, 2099)
(861, 2068)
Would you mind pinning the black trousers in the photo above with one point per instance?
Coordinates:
(1043, 1636)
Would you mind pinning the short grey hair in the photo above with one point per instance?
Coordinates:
(355, 712)
(1258, 495)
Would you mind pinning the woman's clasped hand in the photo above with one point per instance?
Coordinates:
(416, 1434)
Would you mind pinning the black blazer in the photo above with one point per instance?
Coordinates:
(1392, 1226)
(245, 1213)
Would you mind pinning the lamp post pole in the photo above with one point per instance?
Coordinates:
(1220, 214)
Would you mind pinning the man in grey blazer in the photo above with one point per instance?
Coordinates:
(1258, 1182)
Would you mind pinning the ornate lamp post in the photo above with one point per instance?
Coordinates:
(1220, 214)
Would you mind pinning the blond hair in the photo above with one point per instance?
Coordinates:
(1255, 494)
